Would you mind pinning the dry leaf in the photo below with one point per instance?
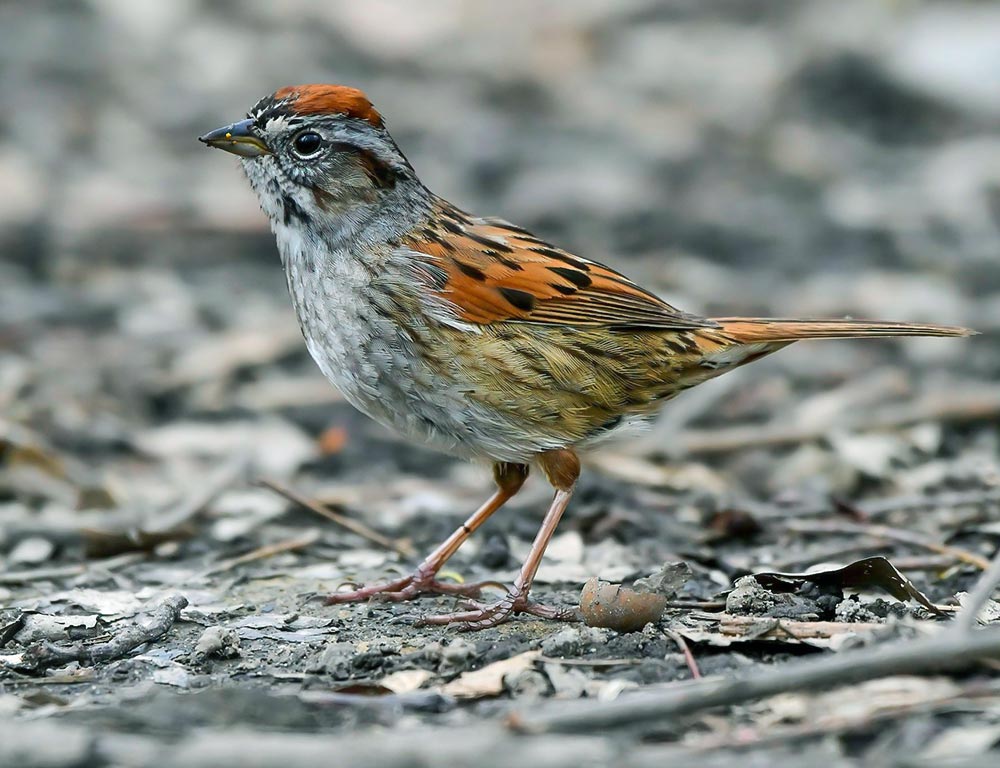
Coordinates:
(488, 681)
(406, 680)
(871, 572)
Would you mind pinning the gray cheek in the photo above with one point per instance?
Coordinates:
(261, 174)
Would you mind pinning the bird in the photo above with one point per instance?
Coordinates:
(470, 334)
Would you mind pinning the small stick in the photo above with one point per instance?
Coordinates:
(156, 624)
(978, 598)
(713, 606)
(686, 650)
(978, 497)
(66, 571)
(354, 526)
(592, 662)
(948, 651)
(268, 550)
(740, 626)
(893, 534)
(954, 407)
(80, 676)
(825, 725)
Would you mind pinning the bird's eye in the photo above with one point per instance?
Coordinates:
(307, 143)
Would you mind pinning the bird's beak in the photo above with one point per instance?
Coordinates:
(237, 138)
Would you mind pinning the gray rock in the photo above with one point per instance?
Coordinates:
(749, 598)
(334, 660)
(572, 641)
(219, 641)
(32, 551)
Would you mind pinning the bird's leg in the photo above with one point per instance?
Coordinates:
(509, 479)
(562, 468)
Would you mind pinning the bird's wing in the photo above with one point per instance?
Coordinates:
(489, 271)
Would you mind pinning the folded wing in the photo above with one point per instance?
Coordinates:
(491, 271)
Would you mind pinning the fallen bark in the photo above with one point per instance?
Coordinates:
(156, 624)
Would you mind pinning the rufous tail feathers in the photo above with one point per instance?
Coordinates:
(753, 330)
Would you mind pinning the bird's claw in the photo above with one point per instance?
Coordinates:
(420, 582)
(479, 616)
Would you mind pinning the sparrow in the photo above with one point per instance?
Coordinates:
(470, 334)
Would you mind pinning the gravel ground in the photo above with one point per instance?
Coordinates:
(160, 604)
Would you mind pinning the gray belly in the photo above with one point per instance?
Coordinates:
(392, 370)
(381, 367)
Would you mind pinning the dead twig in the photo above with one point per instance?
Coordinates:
(953, 407)
(593, 662)
(797, 630)
(170, 524)
(116, 531)
(144, 630)
(67, 571)
(893, 534)
(697, 605)
(354, 526)
(948, 651)
(756, 737)
(978, 598)
(915, 503)
(261, 553)
(76, 677)
(686, 650)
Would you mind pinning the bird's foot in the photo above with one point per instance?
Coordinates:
(420, 582)
(480, 616)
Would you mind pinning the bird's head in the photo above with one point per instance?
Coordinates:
(314, 149)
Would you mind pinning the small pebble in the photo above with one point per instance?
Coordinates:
(457, 653)
(749, 598)
(336, 660)
(218, 641)
(573, 641)
(32, 551)
(528, 684)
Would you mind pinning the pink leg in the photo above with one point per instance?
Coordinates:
(562, 468)
(509, 479)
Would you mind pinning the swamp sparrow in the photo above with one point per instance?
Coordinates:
(471, 334)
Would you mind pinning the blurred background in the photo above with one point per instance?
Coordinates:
(739, 157)
(758, 157)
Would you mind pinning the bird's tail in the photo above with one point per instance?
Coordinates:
(757, 330)
(736, 341)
